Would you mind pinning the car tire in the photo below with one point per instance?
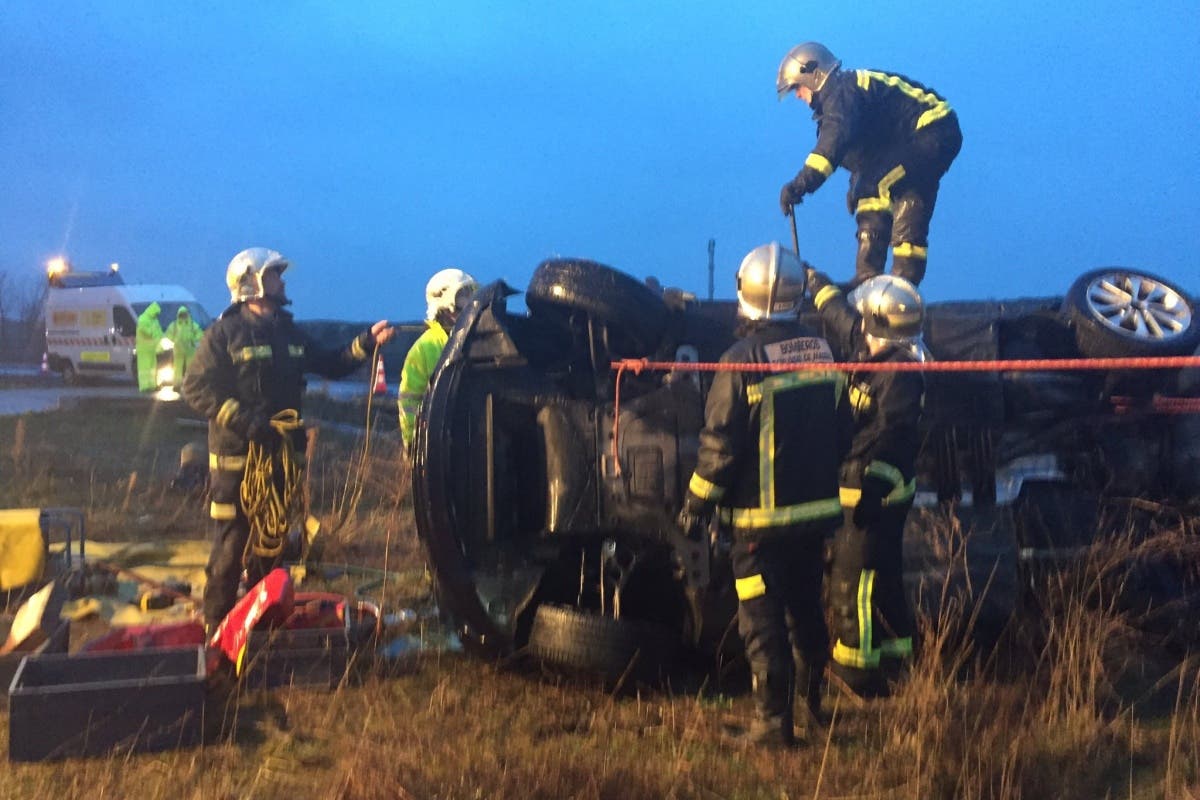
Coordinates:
(1118, 312)
(69, 375)
(627, 306)
(589, 642)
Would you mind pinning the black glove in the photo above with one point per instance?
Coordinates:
(792, 194)
(870, 504)
(817, 280)
(695, 517)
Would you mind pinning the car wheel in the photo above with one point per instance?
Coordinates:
(627, 306)
(1118, 312)
(69, 375)
(576, 639)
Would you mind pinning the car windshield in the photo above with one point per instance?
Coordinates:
(171, 308)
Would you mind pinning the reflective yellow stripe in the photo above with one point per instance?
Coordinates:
(896, 648)
(933, 115)
(256, 352)
(222, 511)
(825, 295)
(754, 393)
(226, 412)
(766, 448)
(938, 107)
(704, 489)
(820, 163)
(884, 201)
(910, 250)
(356, 350)
(901, 491)
(859, 400)
(296, 350)
(785, 515)
(230, 463)
(848, 496)
(750, 588)
(864, 656)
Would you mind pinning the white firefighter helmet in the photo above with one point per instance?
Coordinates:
(807, 64)
(243, 276)
(892, 310)
(770, 283)
(442, 291)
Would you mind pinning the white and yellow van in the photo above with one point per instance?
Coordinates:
(91, 322)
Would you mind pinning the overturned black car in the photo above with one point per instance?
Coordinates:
(549, 521)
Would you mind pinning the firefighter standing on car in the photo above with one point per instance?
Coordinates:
(148, 340)
(446, 295)
(247, 378)
(185, 335)
(880, 324)
(769, 454)
(895, 136)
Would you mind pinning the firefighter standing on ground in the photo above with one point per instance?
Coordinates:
(872, 621)
(769, 454)
(446, 295)
(895, 136)
(146, 345)
(249, 367)
(185, 335)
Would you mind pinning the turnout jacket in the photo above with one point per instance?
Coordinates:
(886, 407)
(862, 113)
(772, 442)
(248, 368)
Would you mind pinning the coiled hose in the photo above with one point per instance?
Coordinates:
(272, 490)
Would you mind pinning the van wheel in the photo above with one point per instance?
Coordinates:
(613, 648)
(1117, 312)
(69, 375)
(632, 311)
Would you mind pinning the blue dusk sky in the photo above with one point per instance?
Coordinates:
(376, 142)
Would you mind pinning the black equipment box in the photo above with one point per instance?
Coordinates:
(302, 657)
(63, 706)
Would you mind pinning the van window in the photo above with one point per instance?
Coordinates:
(170, 308)
(123, 322)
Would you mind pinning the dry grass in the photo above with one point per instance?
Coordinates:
(1090, 692)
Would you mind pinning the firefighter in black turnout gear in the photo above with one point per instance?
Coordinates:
(769, 453)
(249, 368)
(895, 136)
(879, 323)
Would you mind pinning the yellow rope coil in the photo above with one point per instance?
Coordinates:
(272, 489)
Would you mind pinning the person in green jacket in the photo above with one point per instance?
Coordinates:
(149, 338)
(446, 295)
(184, 334)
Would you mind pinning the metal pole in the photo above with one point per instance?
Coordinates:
(795, 238)
(712, 248)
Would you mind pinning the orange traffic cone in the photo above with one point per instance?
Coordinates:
(380, 382)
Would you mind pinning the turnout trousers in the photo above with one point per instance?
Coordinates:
(872, 620)
(892, 198)
(778, 573)
(227, 558)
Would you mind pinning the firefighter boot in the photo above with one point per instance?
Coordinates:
(810, 679)
(772, 723)
(874, 232)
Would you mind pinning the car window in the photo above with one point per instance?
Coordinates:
(123, 322)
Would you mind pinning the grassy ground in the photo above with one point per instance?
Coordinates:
(1087, 694)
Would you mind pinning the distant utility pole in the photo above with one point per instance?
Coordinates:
(712, 248)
